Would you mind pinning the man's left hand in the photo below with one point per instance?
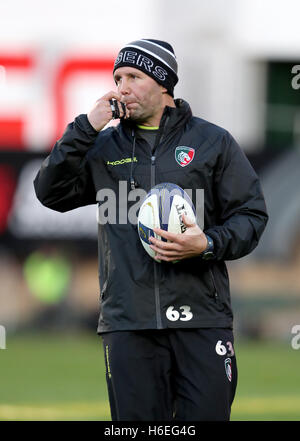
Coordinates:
(191, 243)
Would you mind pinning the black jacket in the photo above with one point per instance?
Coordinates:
(136, 291)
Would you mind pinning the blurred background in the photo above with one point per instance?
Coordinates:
(239, 67)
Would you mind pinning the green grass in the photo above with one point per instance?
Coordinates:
(53, 377)
(62, 377)
(269, 382)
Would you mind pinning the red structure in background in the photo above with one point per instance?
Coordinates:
(12, 128)
(69, 68)
(11, 133)
(7, 189)
(14, 147)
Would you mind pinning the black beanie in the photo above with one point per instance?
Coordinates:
(153, 57)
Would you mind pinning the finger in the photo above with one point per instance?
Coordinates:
(160, 257)
(163, 245)
(167, 235)
(188, 222)
(165, 251)
(111, 95)
(127, 113)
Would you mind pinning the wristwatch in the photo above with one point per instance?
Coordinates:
(208, 253)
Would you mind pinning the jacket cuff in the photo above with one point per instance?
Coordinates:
(83, 123)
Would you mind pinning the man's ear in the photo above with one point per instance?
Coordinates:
(163, 89)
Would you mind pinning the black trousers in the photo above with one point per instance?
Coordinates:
(172, 374)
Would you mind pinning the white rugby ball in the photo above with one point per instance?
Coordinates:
(163, 208)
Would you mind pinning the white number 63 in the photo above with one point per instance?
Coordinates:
(174, 315)
(222, 350)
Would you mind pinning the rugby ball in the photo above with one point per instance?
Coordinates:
(163, 208)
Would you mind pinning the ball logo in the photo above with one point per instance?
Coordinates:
(144, 231)
(184, 155)
(163, 207)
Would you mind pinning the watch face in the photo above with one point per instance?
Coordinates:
(210, 243)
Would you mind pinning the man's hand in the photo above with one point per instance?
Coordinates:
(191, 243)
(101, 113)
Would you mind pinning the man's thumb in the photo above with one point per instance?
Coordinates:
(188, 222)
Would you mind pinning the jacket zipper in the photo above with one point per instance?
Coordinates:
(156, 285)
(156, 268)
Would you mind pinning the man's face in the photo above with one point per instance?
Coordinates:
(142, 95)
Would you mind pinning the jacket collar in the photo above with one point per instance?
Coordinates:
(172, 117)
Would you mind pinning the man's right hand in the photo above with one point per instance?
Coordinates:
(101, 113)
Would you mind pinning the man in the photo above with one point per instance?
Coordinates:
(160, 366)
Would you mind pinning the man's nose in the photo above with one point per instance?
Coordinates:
(124, 88)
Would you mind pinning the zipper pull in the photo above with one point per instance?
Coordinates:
(133, 184)
(152, 160)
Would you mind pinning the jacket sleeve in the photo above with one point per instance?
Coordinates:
(64, 180)
(241, 206)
